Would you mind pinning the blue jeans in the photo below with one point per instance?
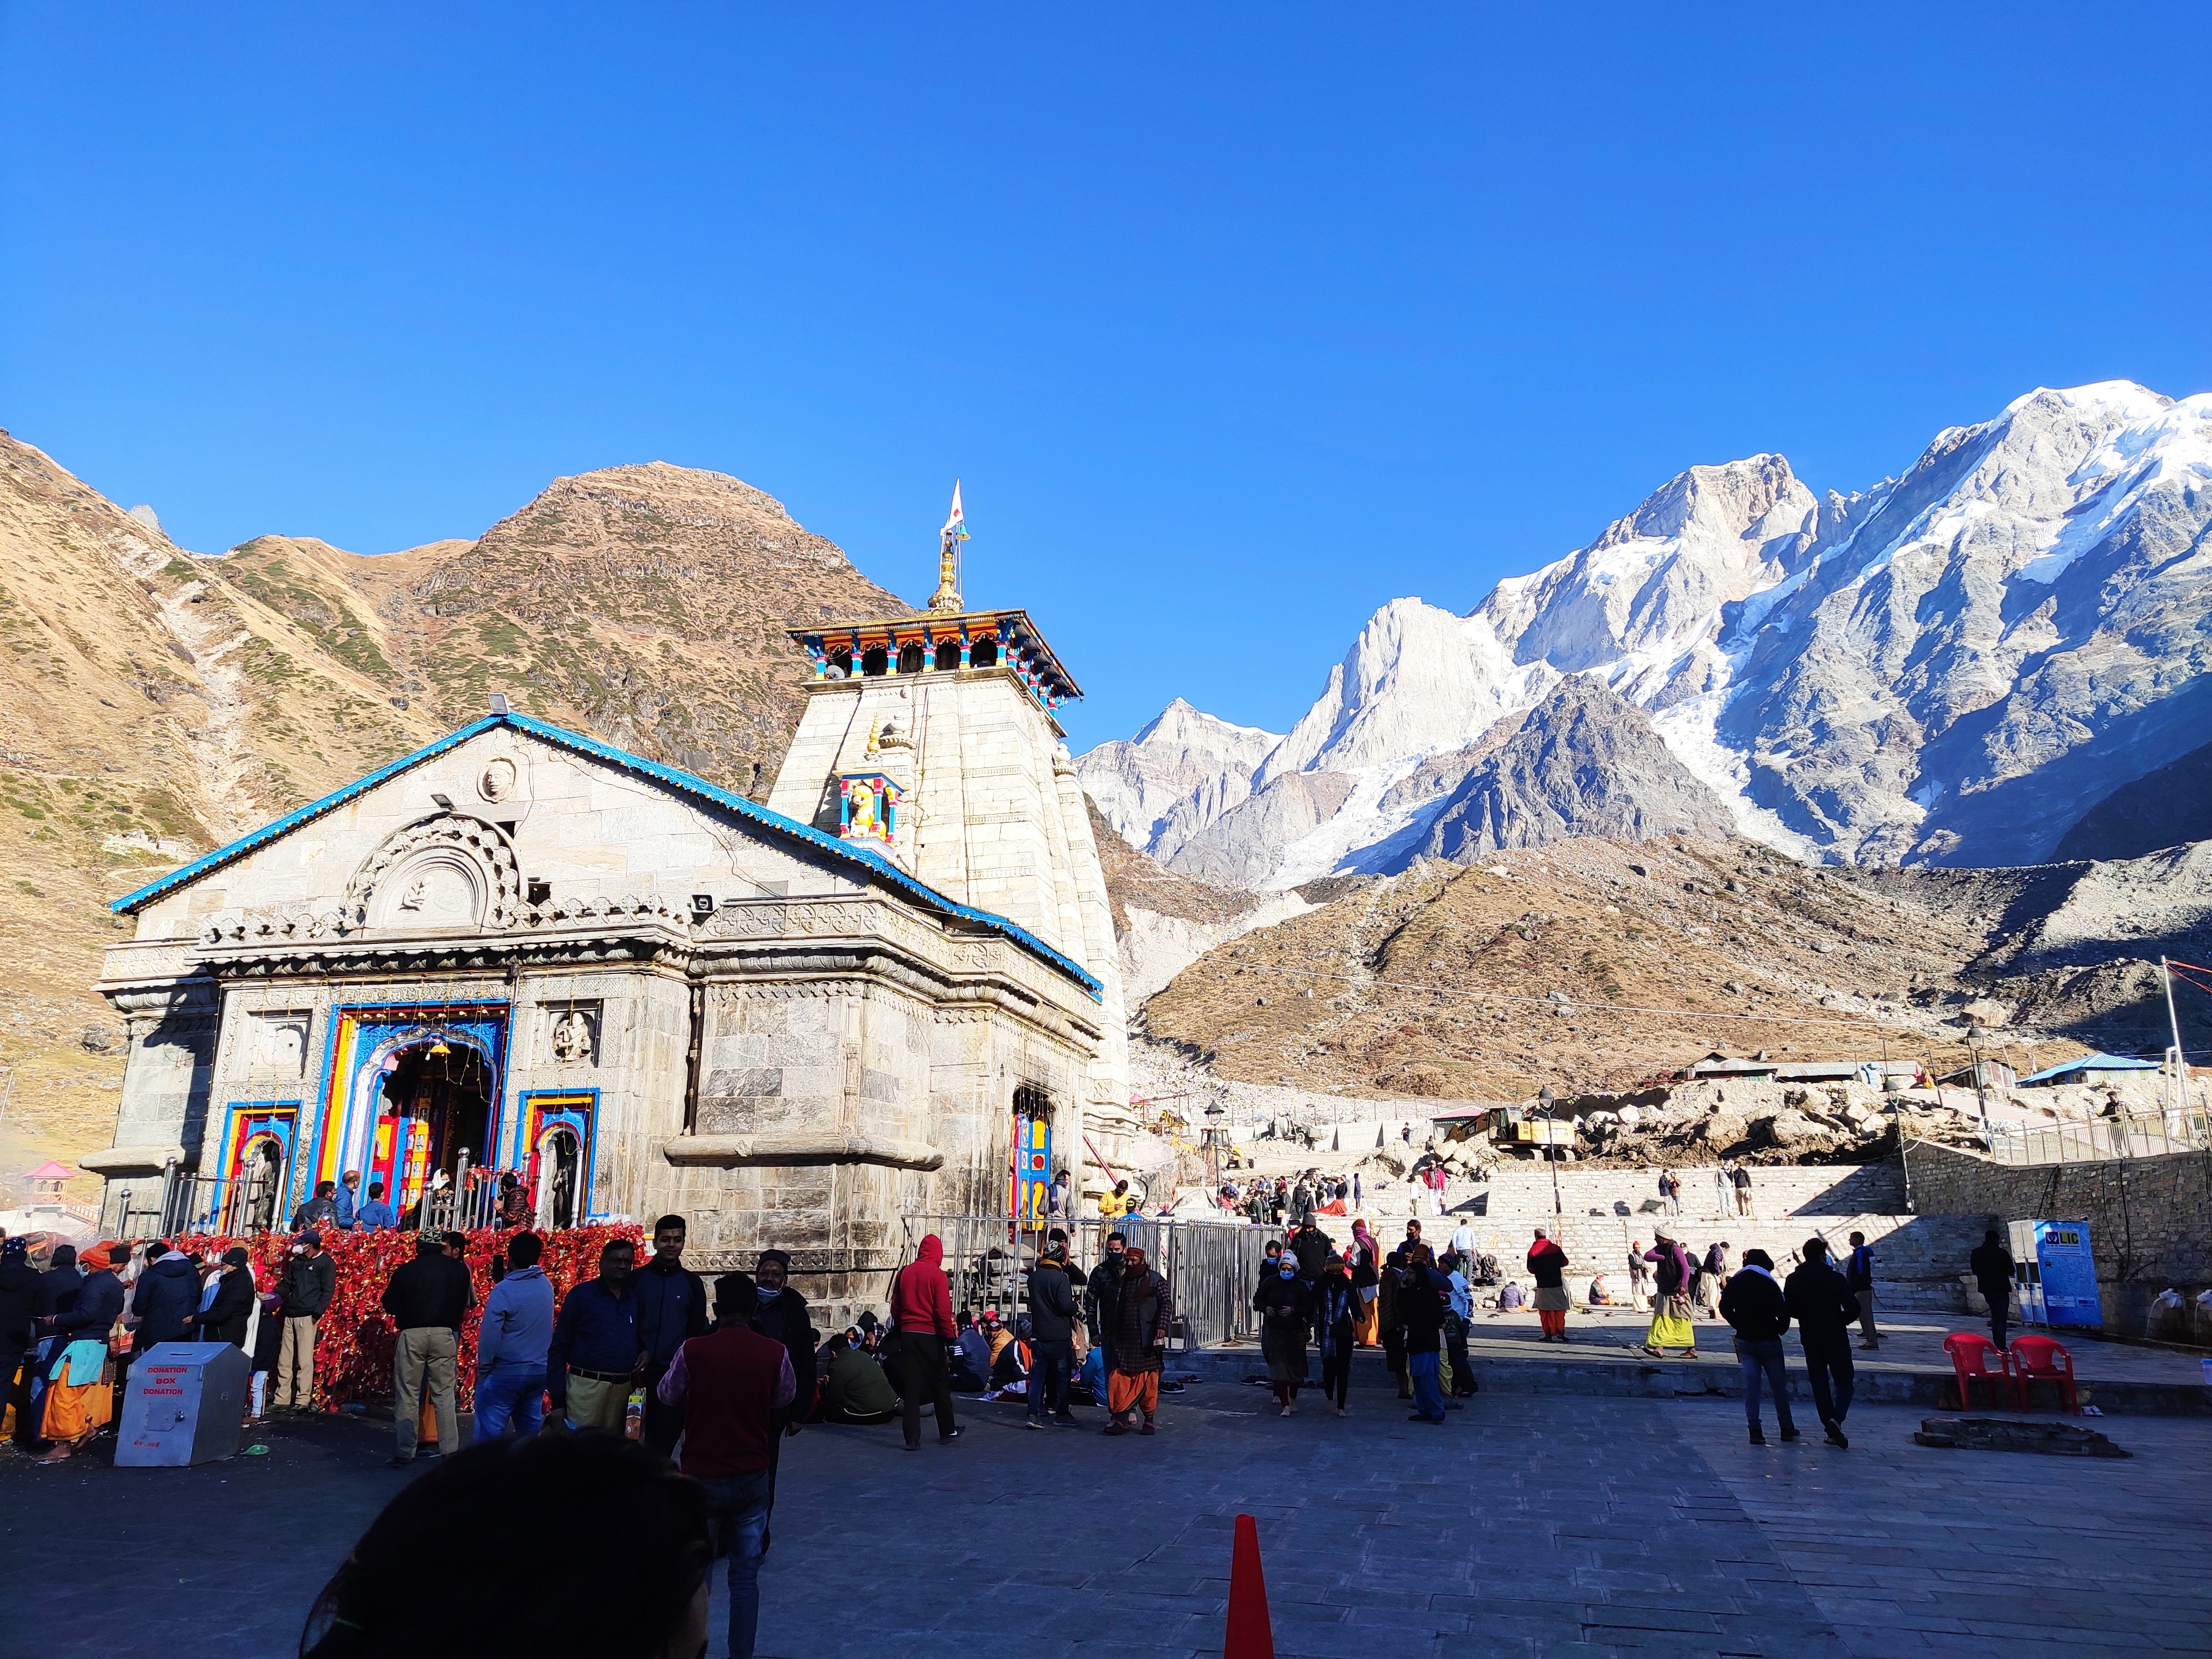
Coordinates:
(510, 1391)
(737, 1505)
(1758, 1358)
(1428, 1392)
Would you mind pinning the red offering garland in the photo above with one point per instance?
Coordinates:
(354, 1339)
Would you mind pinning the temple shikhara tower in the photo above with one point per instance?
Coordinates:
(931, 740)
(890, 992)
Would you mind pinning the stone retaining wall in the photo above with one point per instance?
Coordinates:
(2150, 1219)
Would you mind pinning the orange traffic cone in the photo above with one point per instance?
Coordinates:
(1250, 1636)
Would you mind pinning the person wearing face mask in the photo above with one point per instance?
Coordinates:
(1284, 1303)
(594, 1352)
(1138, 1343)
(1101, 1291)
(310, 1281)
(671, 1309)
(781, 1315)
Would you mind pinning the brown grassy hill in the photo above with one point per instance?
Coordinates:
(155, 703)
(1446, 982)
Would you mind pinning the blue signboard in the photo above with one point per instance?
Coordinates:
(2068, 1273)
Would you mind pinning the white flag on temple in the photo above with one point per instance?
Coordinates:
(957, 525)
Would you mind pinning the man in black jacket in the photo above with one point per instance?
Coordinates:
(22, 1300)
(1312, 1247)
(1052, 1338)
(781, 1315)
(1755, 1308)
(427, 1298)
(1992, 1267)
(310, 1280)
(671, 1310)
(1103, 1292)
(225, 1319)
(1825, 1308)
(166, 1296)
(1424, 1297)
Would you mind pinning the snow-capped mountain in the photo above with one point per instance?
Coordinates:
(1950, 667)
(1176, 776)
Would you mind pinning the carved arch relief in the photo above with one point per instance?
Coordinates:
(450, 872)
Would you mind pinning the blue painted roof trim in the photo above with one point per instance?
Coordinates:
(875, 864)
(2092, 1063)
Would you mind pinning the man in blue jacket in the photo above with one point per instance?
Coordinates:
(594, 1358)
(671, 1310)
(376, 1216)
(512, 1340)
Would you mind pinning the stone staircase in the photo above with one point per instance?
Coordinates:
(1917, 1258)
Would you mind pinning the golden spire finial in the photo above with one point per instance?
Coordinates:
(947, 596)
(873, 727)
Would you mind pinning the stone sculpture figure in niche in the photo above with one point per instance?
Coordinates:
(572, 1035)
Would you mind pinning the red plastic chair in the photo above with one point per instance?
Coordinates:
(1971, 1357)
(2038, 1359)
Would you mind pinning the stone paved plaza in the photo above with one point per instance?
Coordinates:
(1527, 1525)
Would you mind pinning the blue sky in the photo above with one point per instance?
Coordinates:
(1237, 322)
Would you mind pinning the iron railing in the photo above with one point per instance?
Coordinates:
(1212, 1267)
(2133, 1134)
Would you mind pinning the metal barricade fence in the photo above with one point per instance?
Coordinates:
(2136, 1134)
(1212, 1267)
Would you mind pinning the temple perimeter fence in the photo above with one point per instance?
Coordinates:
(1212, 1267)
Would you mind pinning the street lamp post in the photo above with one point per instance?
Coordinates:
(1546, 1103)
(1975, 1037)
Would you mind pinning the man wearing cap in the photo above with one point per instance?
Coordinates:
(310, 1281)
(77, 1401)
(225, 1319)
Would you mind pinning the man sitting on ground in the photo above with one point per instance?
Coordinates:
(856, 1390)
(967, 1361)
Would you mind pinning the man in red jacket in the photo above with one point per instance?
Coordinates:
(730, 1383)
(921, 1314)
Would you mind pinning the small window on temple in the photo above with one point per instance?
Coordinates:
(984, 653)
(948, 656)
(841, 663)
(909, 659)
(875, 661)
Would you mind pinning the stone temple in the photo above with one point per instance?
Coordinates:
(890, 992)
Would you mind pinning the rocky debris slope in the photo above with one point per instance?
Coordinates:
(1953, 666)
(158, 702)
(2160, 809)
(1597, 966)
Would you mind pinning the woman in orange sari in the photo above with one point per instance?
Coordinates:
(80, 1398)
(1366, 1278)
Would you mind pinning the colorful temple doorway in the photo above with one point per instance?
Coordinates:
(437, 1104)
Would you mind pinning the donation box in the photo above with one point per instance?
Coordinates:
(184, 1405)
(2057, 1274)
